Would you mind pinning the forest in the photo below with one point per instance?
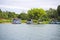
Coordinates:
(34, 13)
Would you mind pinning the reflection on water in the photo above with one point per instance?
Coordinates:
(29, 32)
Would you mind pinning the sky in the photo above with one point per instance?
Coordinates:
(24, 5)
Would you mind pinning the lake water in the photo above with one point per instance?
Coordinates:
(29, 32)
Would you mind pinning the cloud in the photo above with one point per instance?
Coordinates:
(28, 4)
(13, 7)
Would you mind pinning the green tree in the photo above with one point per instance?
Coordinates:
(58, 10)
(23, 16)
(52, 13)
(36, 13)
(11, 15)
(0, 13)
(4, 15)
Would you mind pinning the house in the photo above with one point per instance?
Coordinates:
(29, 21)
(16, 21)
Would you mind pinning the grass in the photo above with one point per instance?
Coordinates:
(45, 22)
(1, 21)
(5, 21)
(22, 21)
(35, 21)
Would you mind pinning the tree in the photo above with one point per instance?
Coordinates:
(52, 13)
(58, 10)
(23, 16)
(11, 15)
(4, 15)
(0, 13)
(36, 13)
(7, 15)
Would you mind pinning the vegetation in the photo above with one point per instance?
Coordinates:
(22, 16)
(37, 14)
(58, 11)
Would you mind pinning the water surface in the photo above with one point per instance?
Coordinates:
(29, 32)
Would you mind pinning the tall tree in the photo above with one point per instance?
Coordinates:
(0, 13)
(23, 16)
(11, 15)
(52, 13)
(4, 15)
(58, 10)
(36, 13)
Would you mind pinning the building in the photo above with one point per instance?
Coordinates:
(29, 21)
(16, 21)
